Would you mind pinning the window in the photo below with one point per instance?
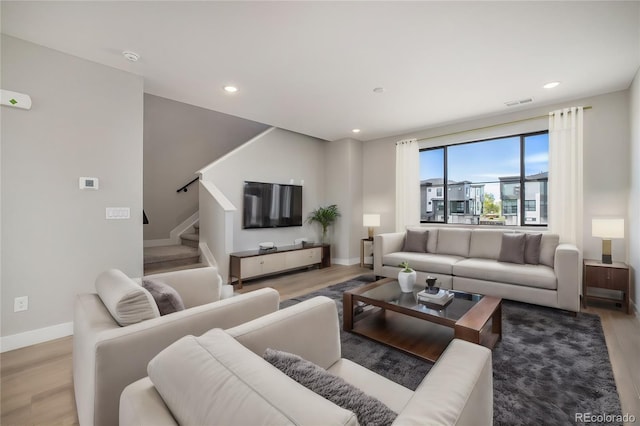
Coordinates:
(509, 207)
(456, 206)
(502, 181)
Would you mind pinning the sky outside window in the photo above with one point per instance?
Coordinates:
(536, 154)
(432, 164)
(484, 161)
(487, 161)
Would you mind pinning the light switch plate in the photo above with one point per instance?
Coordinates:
(118, 213)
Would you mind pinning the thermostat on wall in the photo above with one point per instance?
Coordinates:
(88, 183)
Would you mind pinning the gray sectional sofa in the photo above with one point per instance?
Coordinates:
(469, 259)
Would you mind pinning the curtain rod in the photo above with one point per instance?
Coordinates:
(491, 126)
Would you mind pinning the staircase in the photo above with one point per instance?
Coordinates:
(175, 257)
(191, 239)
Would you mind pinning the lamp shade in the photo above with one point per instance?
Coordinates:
(607, 228)
(371, 220)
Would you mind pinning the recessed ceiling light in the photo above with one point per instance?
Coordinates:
(356, 130)
(132, 56)
(230, 89)
(551, 85)
(378, 90)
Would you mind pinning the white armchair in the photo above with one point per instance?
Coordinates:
(107, 357)
(231, 384)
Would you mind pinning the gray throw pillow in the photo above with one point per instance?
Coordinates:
(416, 241)
(369, 410)
(166, 297)
(532, 248)
(512, 249)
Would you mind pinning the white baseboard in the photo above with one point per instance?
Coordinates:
(346, 262)
(32, 337)
(205, 255)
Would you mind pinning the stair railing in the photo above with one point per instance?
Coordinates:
(184, 188)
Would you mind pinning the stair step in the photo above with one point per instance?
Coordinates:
(169, 253)
(196, 226)
(157, 268)
(191, 240)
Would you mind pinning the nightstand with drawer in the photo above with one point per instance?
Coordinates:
(606, 282)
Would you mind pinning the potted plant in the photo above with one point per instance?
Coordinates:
(325, 216)
(406, 278)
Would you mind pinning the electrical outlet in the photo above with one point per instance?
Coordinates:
(20, 304)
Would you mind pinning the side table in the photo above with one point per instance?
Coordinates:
(607, 282)
(362, 241)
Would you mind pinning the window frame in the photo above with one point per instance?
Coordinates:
(522, 181)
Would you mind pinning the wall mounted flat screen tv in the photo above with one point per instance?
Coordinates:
(271, 205)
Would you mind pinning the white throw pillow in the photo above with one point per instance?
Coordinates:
(128, 302)
(213, 379)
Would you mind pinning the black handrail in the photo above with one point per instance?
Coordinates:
(184, 188)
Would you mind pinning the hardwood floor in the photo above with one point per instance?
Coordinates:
(37, 388)
(622, 333)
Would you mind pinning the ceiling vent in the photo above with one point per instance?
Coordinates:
(520, 102)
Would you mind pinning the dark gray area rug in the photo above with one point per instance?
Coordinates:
(548, 366)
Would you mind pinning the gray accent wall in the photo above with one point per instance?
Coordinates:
(606, 165)
(86, 120)
(180, 139)
(633, 219)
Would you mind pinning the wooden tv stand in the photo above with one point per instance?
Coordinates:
(258, 263)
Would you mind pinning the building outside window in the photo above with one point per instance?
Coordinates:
(500, 181)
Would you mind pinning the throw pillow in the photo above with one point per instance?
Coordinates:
(166, 297)
(369, 410)
(512, 249)
(416, 241)
(532, 248)
(127, 301)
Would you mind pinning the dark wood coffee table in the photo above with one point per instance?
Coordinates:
(381, 312)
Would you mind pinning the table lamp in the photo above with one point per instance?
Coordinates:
(607, 229)
(372, 221)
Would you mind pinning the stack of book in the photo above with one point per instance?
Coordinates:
(441, 298)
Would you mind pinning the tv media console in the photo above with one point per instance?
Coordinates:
(258, 263)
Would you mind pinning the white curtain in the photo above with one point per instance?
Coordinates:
(566, 175)
(407, 184)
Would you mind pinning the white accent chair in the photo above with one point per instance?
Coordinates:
(221, 378)
(107, 357)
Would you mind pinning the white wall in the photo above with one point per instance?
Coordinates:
(344, 188)
(86, 120)
(606, 150)
(278, 156)
(179, 139)
(633, 221)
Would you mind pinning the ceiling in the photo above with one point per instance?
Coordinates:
(311, 67)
